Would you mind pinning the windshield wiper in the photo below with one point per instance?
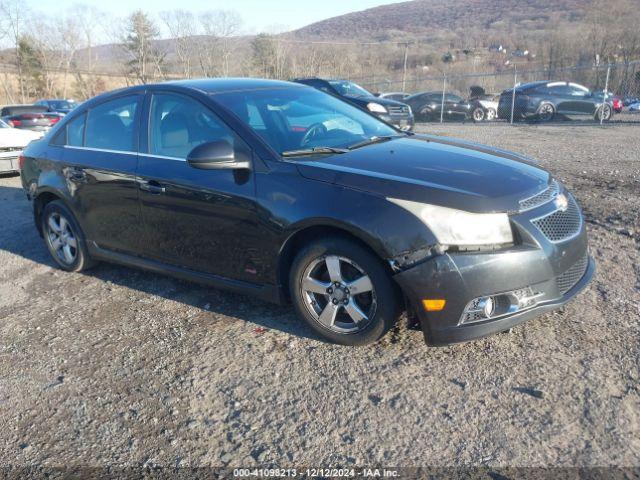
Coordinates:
(314, 151)
(372, 140)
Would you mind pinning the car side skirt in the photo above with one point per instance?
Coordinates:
(269, 293)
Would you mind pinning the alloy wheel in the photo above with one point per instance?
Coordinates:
(546, 112)
(338, 294)
(478, 114)
(61, 239)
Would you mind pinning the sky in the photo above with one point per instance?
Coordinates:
(258, 15)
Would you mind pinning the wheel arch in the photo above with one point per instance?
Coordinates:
(307, 233)
(40, 200)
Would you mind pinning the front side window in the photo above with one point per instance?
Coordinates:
(112, 125)
(178, 124)
(301, 118)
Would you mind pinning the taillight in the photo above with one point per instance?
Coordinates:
(54, 120)
(15, 123)
(21, 162)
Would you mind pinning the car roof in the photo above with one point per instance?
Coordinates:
(221, 85)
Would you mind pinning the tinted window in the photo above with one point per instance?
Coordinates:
(295, 118)
(453, 98)
(559, 90)
(75, 131)
(111, 125)
(179, 124)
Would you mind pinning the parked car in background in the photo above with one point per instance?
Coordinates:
(397, 96)
(12, 142)
(58, 105)
(616, 101)
(28, 117)
(395, 113)
(428, 106)
(484, 107)
(634, 107)
(350, 220)
(544, 101)
(630, 100)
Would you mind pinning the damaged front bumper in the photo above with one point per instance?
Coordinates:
(522, 282)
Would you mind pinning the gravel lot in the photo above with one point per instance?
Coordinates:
(124, 368)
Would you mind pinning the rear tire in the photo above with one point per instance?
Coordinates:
(64, 238)
(546, 112)
(343, 292)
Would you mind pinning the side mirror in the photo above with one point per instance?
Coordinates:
(215, 156)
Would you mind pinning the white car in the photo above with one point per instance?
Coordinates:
(634, 107)
(12, 142)
(490, 104)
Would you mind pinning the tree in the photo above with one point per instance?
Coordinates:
(217, 26)
(182, 27)
(146, 61)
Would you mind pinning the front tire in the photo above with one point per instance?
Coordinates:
(64, 238)
(604, 113)
(343, 292)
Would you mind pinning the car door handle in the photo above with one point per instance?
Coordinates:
(152, 187)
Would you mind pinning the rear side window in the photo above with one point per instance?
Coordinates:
(75, 131)
(112, 125)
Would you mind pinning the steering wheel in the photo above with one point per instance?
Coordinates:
(313, 131)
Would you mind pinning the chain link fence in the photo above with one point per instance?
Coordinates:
(593, 94)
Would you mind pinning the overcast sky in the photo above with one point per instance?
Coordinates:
(257, 15)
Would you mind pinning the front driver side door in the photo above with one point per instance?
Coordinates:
(201, 220)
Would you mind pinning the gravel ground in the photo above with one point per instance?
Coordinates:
(123, 368)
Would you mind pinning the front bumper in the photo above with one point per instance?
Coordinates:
(461, 277)
(401, 122)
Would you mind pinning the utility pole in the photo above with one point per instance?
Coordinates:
(513, 94)
(404, 68)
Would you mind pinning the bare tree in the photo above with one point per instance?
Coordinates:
(182, 28)
(217, 26)
(13, 13)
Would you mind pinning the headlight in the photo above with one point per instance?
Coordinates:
(376, 108)
(457, 227)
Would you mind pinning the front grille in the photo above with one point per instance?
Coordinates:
(561, 225)
(398, 110)
(567, 280)
(541, 198)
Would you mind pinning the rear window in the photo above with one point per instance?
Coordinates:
(18, 109)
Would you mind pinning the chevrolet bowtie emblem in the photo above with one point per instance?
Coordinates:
(561, 202)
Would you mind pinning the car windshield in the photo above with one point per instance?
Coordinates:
(293, 119)
(351, 89)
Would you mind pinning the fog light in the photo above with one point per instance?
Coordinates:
(488, 306)
(499, 305)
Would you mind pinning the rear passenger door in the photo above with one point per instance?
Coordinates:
(100, 157)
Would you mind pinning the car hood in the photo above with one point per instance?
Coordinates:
(435, 170)
(13, 137)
